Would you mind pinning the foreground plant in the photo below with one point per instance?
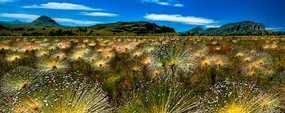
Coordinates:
(163, 97)
(256, 64)
(282, 96)
(52, 64)
(175, 58)
(239, 97)
(17, 79)
(62, 94)
(13, 57)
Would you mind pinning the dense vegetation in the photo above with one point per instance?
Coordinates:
(142, 75)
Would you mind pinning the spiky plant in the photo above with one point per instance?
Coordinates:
(262, 67)
(42, 52)
(17, 79)
(15, 82)
(13, 57)
(3, 103)
(52, 64)
(79, 53)
(282, 97)
(256, 64)
(99, 60)
(217, 61)
(239, 97)
(62, 95)
(163, 97)
(175, 58)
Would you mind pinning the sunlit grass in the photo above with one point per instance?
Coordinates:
(18, 79)
(235, 97)
(163, 97)
(13, 57)
(52, 64)
(65, 96)
(131, 71)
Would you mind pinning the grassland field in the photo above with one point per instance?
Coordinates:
(142, 74)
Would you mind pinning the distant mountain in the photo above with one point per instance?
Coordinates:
(196, 30)
(17, 22)
(45, 21)
(140, 27)
(2, 27)
(13, 23)
(239, 28)
(45, 26)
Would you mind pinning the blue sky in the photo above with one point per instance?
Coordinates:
(179, 14)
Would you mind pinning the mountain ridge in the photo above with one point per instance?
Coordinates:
(237, 28)
(46, 26)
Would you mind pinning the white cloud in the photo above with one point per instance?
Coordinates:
(178, 5)
(22, 16)
(163, 3)
(274, 28)
(62, 6)
(74, 22)
(6, 1)
(213, 26)
(99, 14)
(191, 20)
(173, 3)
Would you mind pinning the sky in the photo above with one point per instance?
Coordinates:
(179, 14)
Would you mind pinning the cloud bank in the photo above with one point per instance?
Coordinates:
(74, 22)
(20, 16)
(172, 3)
(191, 20)
(99, 14)
(62, 6)
(274, 28)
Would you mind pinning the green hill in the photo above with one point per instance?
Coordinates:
(239, 28)
(44, 21)
(138, 28)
